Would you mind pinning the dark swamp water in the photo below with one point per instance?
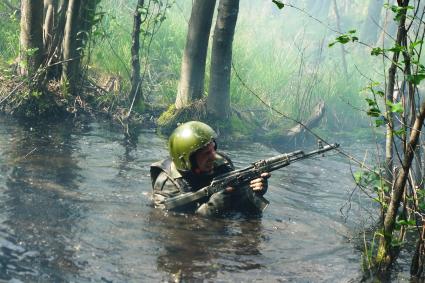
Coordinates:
(76, 208)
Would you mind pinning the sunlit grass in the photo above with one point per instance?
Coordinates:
(276, 54)
(9, 37)
(160, 57)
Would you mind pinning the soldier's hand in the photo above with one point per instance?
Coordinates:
(229, 189)
(260, 184)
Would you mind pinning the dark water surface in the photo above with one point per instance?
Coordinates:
(76, 208)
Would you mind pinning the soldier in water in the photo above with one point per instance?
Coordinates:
(194, 162)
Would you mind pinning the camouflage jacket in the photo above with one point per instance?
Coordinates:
(168, 182)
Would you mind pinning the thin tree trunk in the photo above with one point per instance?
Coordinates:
(386, 254)
(386, 257)
(31, 37)
(370, 28)
(338, 24)
(86, 16)
(401, 33)
(218, 102)
(79, 20)
(135, 91)
(191, 84)
(410, 115)
(389, 28)
(54, 38)
(49, 16)
(70, 54)
(418, 259)
(56, 54)
(49, 23)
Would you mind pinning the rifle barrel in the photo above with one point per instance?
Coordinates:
(243, 175)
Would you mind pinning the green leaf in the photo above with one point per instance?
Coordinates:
(380, 234)
(397, 48)
(142, 11)
(410, 222)
(398, 108)
(416, 79)
(414, 44)
(380, 121)
(31, 51)
(371, 102)
(358, 176)
(378, 200)
(400, 132)
(279, 4)
(398, 11)
(377, 51)
(345, 38)
(395, 107)
(374, 112)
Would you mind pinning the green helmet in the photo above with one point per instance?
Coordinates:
(186, 139)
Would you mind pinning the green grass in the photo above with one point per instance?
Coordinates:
(9, 35)
(276, 55)
(160, 61)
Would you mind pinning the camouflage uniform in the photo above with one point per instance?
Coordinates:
(169, 182)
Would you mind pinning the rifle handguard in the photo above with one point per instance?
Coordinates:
(242, 176)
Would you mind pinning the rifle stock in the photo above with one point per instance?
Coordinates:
(242, 176)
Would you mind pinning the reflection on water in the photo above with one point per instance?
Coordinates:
(76, 207)
(194, 247)
(41, 201)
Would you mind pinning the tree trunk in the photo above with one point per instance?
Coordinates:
(31, 37)
(79, 20)
(385, 253)
(49, 17)
(86, 16)
(401, 34)
(70, 54)
(297, 135)
(191, 85)
(135, 91)
(54, 24)
(370, 28)
(386, 257)
(218, 102)
(338, 24)
(418, 259)
(389, 28)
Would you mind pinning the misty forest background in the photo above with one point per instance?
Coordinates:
(276, 72)
(281, 56)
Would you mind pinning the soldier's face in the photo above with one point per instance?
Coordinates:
(205, 157)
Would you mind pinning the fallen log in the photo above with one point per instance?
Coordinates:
(311, 122)
(298, 134)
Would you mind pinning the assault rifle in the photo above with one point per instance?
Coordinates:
(243, 176)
